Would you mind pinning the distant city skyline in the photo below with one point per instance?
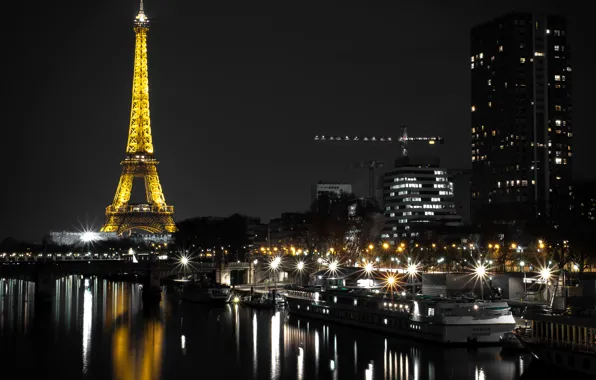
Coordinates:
(236, 96)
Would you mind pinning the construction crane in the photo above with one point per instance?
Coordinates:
(403, 140)
(371, 166)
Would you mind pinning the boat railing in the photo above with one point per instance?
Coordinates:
(526, 335)
(301, 294)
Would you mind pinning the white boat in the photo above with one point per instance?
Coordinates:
(206, 293)
(442, 320)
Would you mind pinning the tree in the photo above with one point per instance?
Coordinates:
(342, 222)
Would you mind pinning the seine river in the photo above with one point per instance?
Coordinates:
(97, 329)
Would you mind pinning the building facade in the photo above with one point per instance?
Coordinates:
(330, 188)
(521, 114)
(417, 197)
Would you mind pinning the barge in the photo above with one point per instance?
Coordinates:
(450, 321)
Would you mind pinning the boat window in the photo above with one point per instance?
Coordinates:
(431, 311)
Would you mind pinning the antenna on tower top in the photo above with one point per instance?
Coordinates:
(141, 19)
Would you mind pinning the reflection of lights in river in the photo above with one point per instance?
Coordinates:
(300, 374)
(355, 357)
(368, 373)
(254, 344)
(237, 332)
(479, 373)
(275, 346)
(317, 351)
(87, 315)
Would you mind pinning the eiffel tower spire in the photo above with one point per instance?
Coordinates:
(139, 133)
(155, 216)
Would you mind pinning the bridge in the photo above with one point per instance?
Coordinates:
(44, 273)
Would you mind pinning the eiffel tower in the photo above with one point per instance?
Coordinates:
(155, 216)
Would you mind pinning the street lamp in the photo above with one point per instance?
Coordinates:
(480, 273)
(300, 268)
(522, 265)
(391, 281)
(412, 270)
(274, 265)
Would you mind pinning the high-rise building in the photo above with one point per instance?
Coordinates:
(521, 114)
(336, 189)
(417, 197)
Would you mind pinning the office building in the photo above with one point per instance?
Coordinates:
(521, 115)
(417, 198)
(331, 188)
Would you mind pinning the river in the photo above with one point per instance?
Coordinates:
(97, 329)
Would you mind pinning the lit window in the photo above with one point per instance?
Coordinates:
(556, 47)
(494, 132)
(481, 55)
(473, 108)
(472, 65)
(489, 82)
(473, 129)
(501, 48)
(539, 54)
(558, 123)
(548, 31)
(490, 104)
(472, 59)
(522, 60)
(557, 78)
(558, 161)
(557, 107)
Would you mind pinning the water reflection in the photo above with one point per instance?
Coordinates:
(87, 319)
(275, 357)
(98, 330)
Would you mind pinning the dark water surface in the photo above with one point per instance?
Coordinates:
(97, 329)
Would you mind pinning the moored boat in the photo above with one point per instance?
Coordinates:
(450, 321)
(206, 293)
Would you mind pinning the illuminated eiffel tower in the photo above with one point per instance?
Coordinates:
(155, 216)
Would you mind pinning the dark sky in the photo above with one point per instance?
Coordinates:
(238, 90)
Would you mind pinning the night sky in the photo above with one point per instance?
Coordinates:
(238, 90)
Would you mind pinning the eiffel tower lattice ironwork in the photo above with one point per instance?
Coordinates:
(155, 216)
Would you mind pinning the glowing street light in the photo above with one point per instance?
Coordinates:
(371, 247)
(333, 266)
(368, 268)
(89, 236)
(273, 265)
(184, 260)
(300, 266)
(385, 245)
(546, 273)
(412, 269)
(391, 282)
(480, 273)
